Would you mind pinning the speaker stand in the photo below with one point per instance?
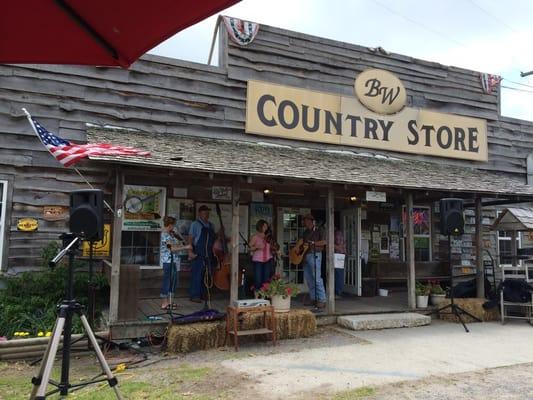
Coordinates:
(454, 308)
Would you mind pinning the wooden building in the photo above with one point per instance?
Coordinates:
(275, 131)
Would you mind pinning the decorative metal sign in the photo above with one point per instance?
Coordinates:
(380, 91)
(55, 213)
(27, 224)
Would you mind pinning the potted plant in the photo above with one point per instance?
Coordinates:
(422, 295)
(279, 292)
(437, 294)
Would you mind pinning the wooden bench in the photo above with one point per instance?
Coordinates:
(394, 271)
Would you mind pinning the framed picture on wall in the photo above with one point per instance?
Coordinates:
(144, 207)
(183, 211)
(259, 211)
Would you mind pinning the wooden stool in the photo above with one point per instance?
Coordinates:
(232, 326)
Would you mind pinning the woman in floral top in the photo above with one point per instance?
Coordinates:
(167, 254)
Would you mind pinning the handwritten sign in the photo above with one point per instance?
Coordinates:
(221, 193)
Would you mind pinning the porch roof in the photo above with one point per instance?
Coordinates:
(324, 165)
(514, 219)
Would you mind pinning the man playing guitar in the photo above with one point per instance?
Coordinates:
(313, 262)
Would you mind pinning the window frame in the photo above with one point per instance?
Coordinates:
(3, 221)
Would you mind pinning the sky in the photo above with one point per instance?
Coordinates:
(493, 36)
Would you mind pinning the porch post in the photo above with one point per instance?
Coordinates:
(234, 287)
(480, 270)
(115, 255)
(330, 251)
(410, 253)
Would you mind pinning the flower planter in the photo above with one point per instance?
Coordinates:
(422, 301)
(435, 299)
(281, 304)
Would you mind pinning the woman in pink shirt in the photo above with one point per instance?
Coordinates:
(261, 254)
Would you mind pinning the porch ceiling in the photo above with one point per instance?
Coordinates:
(270, 160)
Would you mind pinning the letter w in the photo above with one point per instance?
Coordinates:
(388, 94)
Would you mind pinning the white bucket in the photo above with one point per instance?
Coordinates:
(383, 292)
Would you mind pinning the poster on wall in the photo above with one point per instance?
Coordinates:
(144, 207)
(101, 248)
(394, 247)
(259, 211)
(183, 211)
(225, 211)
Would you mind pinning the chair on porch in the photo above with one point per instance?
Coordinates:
(516, 292)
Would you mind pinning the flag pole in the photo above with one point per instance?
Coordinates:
(28, 115)
(213, 40)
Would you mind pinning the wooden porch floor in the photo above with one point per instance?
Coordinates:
(150, 309)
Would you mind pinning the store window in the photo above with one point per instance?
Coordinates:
(422, 233)
(141, 248)
(3, 200)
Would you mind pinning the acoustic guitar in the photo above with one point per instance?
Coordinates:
(298, 252)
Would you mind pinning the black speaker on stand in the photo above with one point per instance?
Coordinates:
(452, 224)
(87, 221)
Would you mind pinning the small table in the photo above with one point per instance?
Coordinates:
(232, 325)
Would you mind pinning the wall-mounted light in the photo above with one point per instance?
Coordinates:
(267, 191)
(353, 199)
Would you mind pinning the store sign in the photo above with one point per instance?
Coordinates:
(380, 91)
(55, 213)
(101, 248)
(221, 193)
(301, 114)
(27, 224)
(144, 208)
(376, 196)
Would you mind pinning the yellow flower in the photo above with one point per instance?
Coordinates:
(16, 333)
(121, 367)
(48, 334)
(40, 334)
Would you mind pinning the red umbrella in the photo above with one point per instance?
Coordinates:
(94, 32)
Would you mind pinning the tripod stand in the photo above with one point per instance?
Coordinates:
(63, 325)
(454, 308)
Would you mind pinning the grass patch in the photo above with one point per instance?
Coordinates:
(359, 393)
(14, 387)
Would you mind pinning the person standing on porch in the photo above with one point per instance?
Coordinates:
(339, 248)
(261, 254)
(202, 238)
(170, 262)
(313, 261)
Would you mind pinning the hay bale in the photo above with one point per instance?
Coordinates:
(291, 325)
(474, 306)
(198, 336)
(210, 335)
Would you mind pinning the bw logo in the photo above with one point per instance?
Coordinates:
(380, 91)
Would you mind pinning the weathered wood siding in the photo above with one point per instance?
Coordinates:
(306, 61)
(177, 97)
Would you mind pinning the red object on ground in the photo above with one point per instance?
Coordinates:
(94, 32)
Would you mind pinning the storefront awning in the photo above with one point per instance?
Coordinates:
(335, 166)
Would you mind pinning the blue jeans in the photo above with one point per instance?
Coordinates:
(262, 273)
(170, 279)
(197, 288)
(310, 264)
(339, 281)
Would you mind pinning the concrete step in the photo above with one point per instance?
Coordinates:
(383, 321)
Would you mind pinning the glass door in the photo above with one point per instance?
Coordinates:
(289, 229)
(351, 227)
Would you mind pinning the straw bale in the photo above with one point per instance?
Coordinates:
(197, 336)
(474, 306)
(209, 335)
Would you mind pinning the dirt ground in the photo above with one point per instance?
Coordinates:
(203, 376)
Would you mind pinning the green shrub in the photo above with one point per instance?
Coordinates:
(29, 300)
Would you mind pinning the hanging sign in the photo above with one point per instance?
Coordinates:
(27, 224)
(102, 247)
(144, 207)
(376, 196)
(221, 193)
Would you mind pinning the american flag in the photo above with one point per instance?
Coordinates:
(69, 153)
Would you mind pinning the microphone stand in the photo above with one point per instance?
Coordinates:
(315, 309)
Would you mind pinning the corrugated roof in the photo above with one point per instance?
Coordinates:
(514, 219)
(270, 160)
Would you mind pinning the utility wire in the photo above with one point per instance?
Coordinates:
(501, 21)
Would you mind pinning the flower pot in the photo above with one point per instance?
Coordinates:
(422, 301)
(281, 304)
(435, 299)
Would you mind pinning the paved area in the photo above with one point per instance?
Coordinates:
(388, 356)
